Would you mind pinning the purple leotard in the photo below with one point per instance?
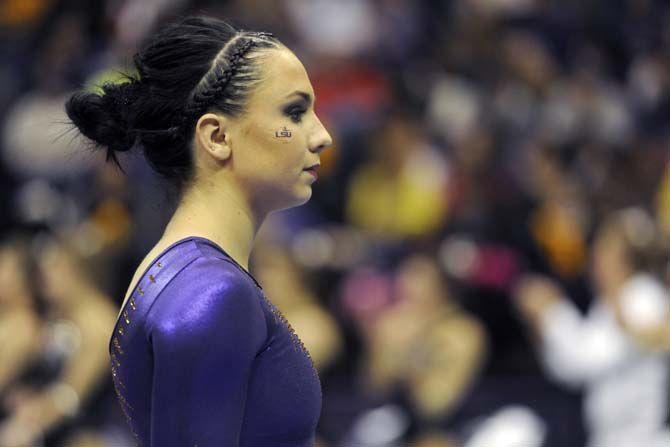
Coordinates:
(201, 358)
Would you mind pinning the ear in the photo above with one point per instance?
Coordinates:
(211, 132)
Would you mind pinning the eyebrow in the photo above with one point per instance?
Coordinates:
(306, 96)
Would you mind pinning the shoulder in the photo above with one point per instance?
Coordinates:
(209, 294)
(212, 272)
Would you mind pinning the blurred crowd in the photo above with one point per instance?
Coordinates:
(484, 260)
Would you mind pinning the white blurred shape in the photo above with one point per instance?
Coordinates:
(645, 81)
(458, 256)
(454, 108)
(341, 28)
(612, 121)
(511, 426)
(380, 426)
(644, 302)
(38, 142)
(37, 201)
(136, 18)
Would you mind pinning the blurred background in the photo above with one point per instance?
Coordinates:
(483, 262)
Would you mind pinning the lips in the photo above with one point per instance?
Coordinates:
(312, 170)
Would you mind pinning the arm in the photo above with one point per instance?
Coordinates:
(574, 353)
(204, 348)
(571, 350)
(89, 365)
(20, 335)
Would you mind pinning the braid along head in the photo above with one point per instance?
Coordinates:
(201, 100)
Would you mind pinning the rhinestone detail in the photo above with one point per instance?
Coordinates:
(117, 345)
(125, 405)
(115, 363)
(297, 343)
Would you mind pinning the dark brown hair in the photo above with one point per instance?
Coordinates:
(187, 68)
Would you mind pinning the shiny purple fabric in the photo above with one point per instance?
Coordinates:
(201, 358)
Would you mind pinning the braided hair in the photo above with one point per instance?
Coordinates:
(187, 68)
(214, 83)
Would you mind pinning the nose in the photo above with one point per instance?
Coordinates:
(321, 138)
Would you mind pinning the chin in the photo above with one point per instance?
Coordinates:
(304, 198)
(296, 200)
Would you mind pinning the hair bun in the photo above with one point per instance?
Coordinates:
(104, 119)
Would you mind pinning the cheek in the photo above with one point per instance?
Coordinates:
(280, 143)
(272, 150)
(284, 132)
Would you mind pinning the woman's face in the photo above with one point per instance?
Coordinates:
(279, 136)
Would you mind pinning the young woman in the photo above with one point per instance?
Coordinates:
(200, 357)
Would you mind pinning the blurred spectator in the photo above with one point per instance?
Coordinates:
(425, 352)
(19, 319)
(68, 371)
(560, 221)
(434, 359)
(402, 191)
(626, 382)
(286, 287)
(46, 153)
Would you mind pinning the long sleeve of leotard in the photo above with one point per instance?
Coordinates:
(204, 342)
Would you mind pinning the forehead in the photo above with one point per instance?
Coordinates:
(282, 74)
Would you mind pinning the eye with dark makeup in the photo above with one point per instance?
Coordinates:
(295, 112)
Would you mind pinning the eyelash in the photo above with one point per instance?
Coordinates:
(295, 114)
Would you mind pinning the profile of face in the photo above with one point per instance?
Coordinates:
(267, 149)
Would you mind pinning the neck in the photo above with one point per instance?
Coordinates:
(219, 213)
